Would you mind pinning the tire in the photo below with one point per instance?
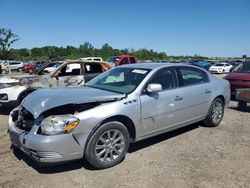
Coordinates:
(215, 113)
(19, 69)
(101, 152)
(242, 105)
(30, 71)
(21, 97)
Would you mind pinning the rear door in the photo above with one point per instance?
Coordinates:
(197, 88)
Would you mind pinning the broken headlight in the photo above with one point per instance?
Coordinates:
(58, 124)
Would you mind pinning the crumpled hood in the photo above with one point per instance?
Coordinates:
(44, 99)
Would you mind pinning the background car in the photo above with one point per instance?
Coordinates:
(28, 68)
(91, 59)
(126, 104)
(220, 68)
(15, 65)
(121, 60)
(13, 89)
(202, 64)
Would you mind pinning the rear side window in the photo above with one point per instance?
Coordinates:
(132, 60)
(191, 76)
(93, 68)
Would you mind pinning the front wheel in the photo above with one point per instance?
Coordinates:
(108, 145)
(215, 113)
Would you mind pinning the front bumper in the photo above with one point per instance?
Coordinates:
(46, 150)
(216, 71)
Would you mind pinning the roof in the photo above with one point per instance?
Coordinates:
(153, 65)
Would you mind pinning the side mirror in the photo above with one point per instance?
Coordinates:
(152, 88)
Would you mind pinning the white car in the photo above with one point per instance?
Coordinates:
(15, 65)
(220, 68)
(91, 59)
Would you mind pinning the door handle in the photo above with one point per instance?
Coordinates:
(178, 98)
(207, 91)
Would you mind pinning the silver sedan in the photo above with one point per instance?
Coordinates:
(126, 104)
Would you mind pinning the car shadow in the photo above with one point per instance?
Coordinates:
(157, 139)
(5, 110)
(246, 109)
(78, 164)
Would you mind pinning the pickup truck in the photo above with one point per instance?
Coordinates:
(121, 60)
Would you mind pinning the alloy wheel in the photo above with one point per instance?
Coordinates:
(110, 145)
(217, 112)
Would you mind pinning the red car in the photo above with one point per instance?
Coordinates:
(28, 68)
(122, 60)
(239, 78)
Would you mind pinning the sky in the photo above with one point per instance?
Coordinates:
(213, 28)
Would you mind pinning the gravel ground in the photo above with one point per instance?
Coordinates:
(194, 156)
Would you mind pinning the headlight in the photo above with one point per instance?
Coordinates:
(58, 124)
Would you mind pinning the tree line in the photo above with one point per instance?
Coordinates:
(7, 38)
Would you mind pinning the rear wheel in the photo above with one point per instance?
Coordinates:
(19, 69)
(215, 113)
(108, 145)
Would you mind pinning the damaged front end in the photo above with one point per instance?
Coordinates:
(48, 137)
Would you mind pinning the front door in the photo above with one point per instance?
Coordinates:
(164, 109)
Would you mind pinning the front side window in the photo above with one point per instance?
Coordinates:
(191, 76)
(166, 77)
(120, 80)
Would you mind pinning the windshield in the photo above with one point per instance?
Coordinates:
(243, 67)
(120, 80)
(113, 59)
